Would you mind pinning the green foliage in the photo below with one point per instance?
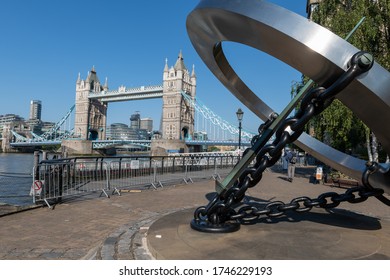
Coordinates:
(51, 148)
(372, 36)
(337, 125)
(213, 149)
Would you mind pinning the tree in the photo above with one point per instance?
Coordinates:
(337, 125)
(373, 36)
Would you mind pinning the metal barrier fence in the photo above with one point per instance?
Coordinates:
(56, 179)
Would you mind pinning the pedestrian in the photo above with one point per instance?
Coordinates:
(291, 158)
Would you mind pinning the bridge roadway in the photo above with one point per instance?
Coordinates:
(102, 228)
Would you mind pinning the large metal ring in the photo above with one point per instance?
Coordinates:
(311, 49)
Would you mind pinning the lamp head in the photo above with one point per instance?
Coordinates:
(240, 114)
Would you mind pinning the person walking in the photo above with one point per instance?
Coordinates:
(291, 158)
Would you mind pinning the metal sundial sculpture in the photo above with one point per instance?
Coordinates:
(338, 67)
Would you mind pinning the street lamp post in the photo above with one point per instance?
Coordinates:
(240, 115)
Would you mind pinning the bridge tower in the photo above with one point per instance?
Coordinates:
(90, 115)
(177, 122)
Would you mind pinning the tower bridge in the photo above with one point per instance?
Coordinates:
(180, 113)
(92, 99)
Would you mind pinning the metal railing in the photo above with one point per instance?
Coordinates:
(56, 179)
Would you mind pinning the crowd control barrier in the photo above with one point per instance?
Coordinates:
(58, 179)
(74, 177)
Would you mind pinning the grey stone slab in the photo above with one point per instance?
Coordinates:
(329, 235)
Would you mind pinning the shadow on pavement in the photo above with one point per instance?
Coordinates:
(333, 217)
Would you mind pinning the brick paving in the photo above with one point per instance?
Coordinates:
(105, 228)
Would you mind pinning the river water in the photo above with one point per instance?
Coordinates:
(16, 178)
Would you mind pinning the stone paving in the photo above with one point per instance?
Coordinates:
(117, 227)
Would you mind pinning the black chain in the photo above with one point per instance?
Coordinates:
(373, 167)
(252, 211)
(222, 207)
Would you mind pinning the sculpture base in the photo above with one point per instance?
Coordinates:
(315, 235)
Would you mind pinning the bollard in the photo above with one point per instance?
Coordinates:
(36, 162)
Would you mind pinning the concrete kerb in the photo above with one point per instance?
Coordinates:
(129, 242)
(6, 209)
(119, 244)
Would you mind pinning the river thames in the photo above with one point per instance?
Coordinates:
(16, 178)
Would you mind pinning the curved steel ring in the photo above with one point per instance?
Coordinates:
(307, 47)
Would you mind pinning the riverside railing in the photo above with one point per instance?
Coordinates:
(74, 177)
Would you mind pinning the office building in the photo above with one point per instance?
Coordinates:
(35, 110)
(146, 124)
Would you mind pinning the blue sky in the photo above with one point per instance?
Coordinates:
(46, 43)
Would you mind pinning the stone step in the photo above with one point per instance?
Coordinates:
(129, 242)
(126, 243)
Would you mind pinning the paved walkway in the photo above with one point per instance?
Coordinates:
(102, 228)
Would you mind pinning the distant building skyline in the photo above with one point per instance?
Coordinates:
(139, 129)
(147, 124)
(35, 110)
(135, 120)
(35, 124)
(8, 119)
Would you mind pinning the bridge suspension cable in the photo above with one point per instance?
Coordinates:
(61, 130)
(19, 138)
(213, 123)
(49, 134)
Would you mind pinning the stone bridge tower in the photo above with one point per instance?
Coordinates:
(90, 115)
(7, 135)
(177, 122)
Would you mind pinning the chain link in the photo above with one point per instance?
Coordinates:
(251, 212)
(222, 207)
(373, 167)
